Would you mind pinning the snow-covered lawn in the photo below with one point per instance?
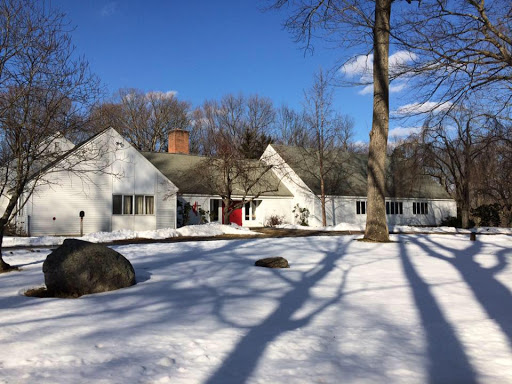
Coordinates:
(428, 308)
(204, 230)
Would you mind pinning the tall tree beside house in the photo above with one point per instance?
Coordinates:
(364, 24)
(221, 133)
(43, 87)
(143, 118)
(329, 135)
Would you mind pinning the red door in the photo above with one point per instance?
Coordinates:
(235, 216)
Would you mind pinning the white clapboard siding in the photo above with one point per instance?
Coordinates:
(165, 203)
(64, 199)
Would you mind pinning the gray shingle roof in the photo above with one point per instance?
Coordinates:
(347, 175)
(187, 173)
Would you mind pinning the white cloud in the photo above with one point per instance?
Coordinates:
(162, 95)
(362, 67)
(398, 59)
(359, 66)
(109, 9)
(403, 131)
(416, 108)
(366, 90)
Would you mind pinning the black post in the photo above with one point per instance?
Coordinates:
(81, 214)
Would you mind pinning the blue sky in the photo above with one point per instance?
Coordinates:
(204, 49)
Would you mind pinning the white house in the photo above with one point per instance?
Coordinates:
(114, 186)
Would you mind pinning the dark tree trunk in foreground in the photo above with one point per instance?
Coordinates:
(4, 267)
(376, 225)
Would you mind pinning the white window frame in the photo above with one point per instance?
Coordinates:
(360, 207)
(133, 198)
(394, 208)
(250, 214)
(420, 208)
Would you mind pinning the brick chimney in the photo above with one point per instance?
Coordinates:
(178, 141)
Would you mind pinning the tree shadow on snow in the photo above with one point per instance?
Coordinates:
(238, 366)
(494, 297)
(448, 362)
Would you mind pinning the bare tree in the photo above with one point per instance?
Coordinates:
(246, 121)
(221, 129)
(143, 118)
(44, 89)
(452, 144)
(290, 127)
(329, 136)
(460, 47)
(493, 175)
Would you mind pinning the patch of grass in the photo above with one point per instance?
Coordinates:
(375, 242)
(10, 269)
(38, 292)
(43, 293)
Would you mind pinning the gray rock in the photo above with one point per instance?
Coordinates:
(79, 268)
(272, 262)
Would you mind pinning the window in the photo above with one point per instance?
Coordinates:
(250, 209)
(394, 208)
(124, 205)
(215, 205)
(420, 208)
(150, 205)
(139, 205)
(361, 207)
(127, 205)
(117, 204)
(247, 211)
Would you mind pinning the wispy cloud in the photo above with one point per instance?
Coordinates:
(109, 9)
(417, 108)
(403, 131)
(362, 67)
(162, 95)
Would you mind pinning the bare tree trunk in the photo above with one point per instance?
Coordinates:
(322, 201)
(376, 225)
(4, 267)
(465, 203)
(226, 212)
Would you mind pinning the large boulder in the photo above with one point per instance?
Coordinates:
(79, 268)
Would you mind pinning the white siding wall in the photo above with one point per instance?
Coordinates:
(281, 207)
(165, 201)
(302, 195)
(344, 209)
(64, 200)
